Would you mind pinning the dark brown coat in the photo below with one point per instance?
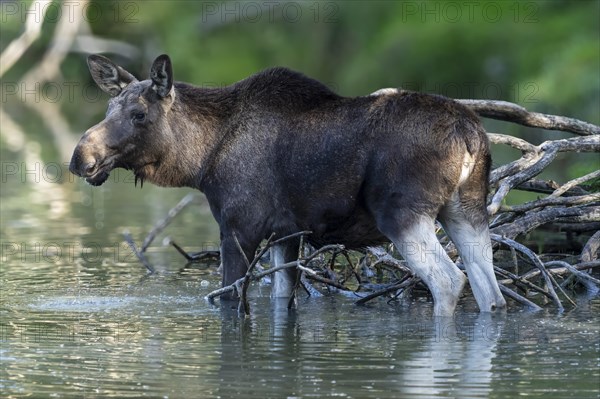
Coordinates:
(280, 152)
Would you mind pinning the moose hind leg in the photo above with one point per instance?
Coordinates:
(472, 240)
(420, 247)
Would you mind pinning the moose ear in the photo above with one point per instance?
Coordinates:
(161, 75)
(109, 77)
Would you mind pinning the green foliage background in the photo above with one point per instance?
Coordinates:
(544, 55)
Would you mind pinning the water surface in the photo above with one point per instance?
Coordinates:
(80, 317)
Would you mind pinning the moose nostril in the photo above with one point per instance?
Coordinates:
(90, 168)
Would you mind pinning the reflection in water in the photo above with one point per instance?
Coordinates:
(163, 339)
(259, 354)
(84, 320)
(455, 359)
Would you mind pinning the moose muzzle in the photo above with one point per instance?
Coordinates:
(89, 159)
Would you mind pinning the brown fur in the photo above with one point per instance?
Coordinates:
(280, 152)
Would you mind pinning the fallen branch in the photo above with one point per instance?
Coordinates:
(197, 256)
(515, 142)
(549, 201)
(527, 173)
(161, 225)
(534, 219)
(550, 282)
(548, 187)
(517, 280)
(534, 161)
(568, 185)
(308, 287)
(405, 282)
(562, 270)
(511, 112)
(252, 265)
(382, 256)
(591, 250)
(312, 275)
(574, 271)
(300, 264)
(158, 228)
(242, 288)
(521, 299)
(138, 254)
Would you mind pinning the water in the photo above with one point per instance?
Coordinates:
(81, 318)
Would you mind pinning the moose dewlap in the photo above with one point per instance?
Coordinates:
(280, 152)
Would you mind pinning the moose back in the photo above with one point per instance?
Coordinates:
(280, 152)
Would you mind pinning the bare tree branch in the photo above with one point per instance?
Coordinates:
(139, 254)
(547, 187)
(511, 112)
(512, 141)
(534, 219)
(591, 249)
(161, 225)
(521, 299)
(511, 182)
(550, 282)
(548, 201)
(33, 28)
(565, 187)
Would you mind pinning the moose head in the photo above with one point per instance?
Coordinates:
(135, 130)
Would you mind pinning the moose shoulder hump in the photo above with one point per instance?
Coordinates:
(286, 89)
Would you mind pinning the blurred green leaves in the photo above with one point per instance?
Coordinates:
(544, 55)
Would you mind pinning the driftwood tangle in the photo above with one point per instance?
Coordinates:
(573, 207)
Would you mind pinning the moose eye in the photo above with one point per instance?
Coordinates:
(139, 117)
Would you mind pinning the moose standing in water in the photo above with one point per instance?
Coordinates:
(280, 152)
